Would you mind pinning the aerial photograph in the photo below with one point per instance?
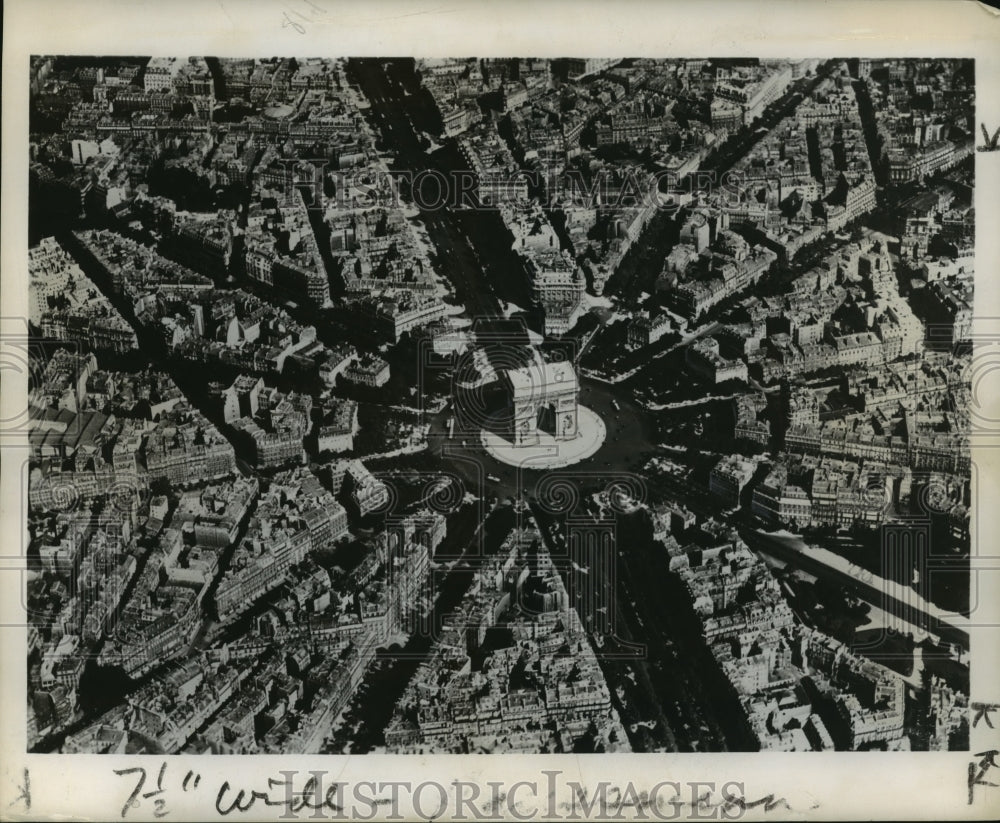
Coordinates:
(498, 405)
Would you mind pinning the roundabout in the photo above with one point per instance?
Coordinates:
(543, 451)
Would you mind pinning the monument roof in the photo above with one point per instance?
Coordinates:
(541, 378)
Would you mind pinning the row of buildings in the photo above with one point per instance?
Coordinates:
(479, 693)
(192, 318)
(845, 313)
(66, 305)
(799, 689)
